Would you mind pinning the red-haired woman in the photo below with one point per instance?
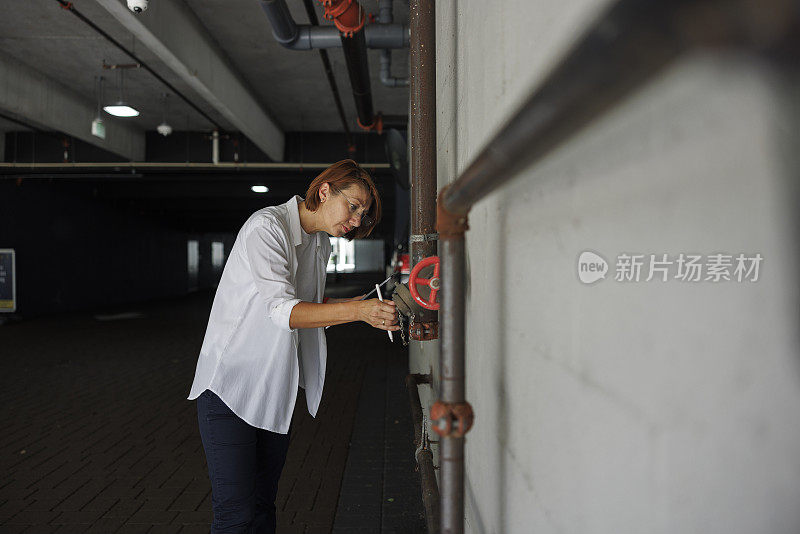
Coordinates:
(265, 338)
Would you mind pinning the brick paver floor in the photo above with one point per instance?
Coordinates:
(98, 437)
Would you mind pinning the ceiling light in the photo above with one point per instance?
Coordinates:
(260, 188)
(164, 129)
(120, 109)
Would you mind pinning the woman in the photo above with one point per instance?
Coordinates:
(265, 338)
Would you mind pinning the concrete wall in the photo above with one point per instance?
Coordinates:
(654, 407)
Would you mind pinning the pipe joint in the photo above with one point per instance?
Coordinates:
(376, 125)
(452, 419)
(347, 15)
(449, 225)
(424, 331)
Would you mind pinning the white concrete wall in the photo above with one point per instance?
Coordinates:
(618, 407)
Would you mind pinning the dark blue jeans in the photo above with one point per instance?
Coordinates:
(244, 465)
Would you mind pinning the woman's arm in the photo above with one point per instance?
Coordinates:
(378, 314)
(331, 300)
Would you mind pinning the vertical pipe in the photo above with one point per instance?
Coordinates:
(355, 56)
(215, 147)
(451, 330)
(423, 132)
(326, 64)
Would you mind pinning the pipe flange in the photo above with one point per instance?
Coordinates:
(377, 124)
(347, 15)
(452, 419)
(336, 7)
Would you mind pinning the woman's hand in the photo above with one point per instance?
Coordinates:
(381, 315)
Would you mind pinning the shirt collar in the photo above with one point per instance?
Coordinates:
(294, 220)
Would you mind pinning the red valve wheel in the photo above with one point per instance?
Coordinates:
(433, 282)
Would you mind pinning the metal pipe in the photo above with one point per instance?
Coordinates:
(430, 490)
(423, 133)
(385, 17)
(451, 331)
(386, 71)
(326, 64)
(412, 381)
(215, 147)
(355, 56)
(284, 28)
(628, 44)
(309, 36)
(424, 456)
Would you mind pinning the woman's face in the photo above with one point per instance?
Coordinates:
(344, 208)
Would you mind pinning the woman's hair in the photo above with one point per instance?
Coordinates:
(342, 175)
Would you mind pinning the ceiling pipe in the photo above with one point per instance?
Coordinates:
(349, 17)
(355, 56)
(349, 20)
(310, 36)
(385, 17)
(326, 64)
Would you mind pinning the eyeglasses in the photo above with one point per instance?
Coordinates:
(365, 218)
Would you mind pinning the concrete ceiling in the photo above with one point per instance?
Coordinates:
(288, 87)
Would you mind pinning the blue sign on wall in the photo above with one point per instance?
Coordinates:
(8, 282)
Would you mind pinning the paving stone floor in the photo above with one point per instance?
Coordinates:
(98, 437)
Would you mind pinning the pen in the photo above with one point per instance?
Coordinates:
(373, 291)
(380, 297)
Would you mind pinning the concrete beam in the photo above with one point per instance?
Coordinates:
(173, 33)
(45, 103)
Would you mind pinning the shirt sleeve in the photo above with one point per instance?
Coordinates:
(269, 263)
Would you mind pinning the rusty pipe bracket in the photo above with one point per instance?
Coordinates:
(420, 331)
(452, 419)
(449, 225)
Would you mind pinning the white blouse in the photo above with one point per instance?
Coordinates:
(250, 356)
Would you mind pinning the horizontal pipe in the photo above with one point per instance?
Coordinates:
(376, 36)
(630, 43)
(306, 37)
